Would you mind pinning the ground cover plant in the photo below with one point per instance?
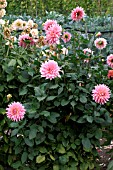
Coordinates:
(55, 94)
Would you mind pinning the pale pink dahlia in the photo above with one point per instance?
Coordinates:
(101, 93)
(100, 43)
(53, 34)
(15, 111)
(48, 24)
(66, 37)
(110, 60)
(50, 69)
(3, 3)
(77, 14)
(87, 51)
(26, 41)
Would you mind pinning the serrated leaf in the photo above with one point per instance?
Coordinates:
(40, 158)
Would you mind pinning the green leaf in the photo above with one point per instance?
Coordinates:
(41, 98)
(29, 142)
(14, 132)
(98, 134)
(86, 143)
(45, 113)
(1, 167)
(61, 149)
(60, 90)
(64, 102)
(40, 158)
(84, 166)
(52, 157)
(12, 62)
(23, 91)
(32, 133)
(91, 165)
(54, 86)
(24, 157)
(53, 117)
(56, 167)
(50, 98)
(83, 99)
(16, 165)
(110, 165)
(10, 77)
(89, 119)
(19, 62)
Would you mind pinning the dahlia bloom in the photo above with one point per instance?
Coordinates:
(30, 23)
(2, 12)
(48, 24)
(77, 14)
(110, 60)
(50, 69)
(66, 37)
(15, 111)
(2, 22)
(17, 24)
(87, 51)
(3, 3)
(34, 33)
(101, 93)
(110, 74)
(25, 41)
(100, 43)
(53, 34)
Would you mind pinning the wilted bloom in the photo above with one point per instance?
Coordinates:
(77, 14)
(2, 12)
(3, 3)
(100, 43)
(2, 22)
(48, 24)
(98, 34)
(53, 34)
(9, 96)
(66, 37)
(6, 32)
(15, 111)
(50, 69)
(34, 33)
(64, 51)
(110, 60)
(101, 93)
(110, 74)
(30, 23)
(26, 41)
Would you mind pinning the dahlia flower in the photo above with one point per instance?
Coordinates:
(15, 111)
(50, 69)
(66, 37)
(3, 3)
(53, 34)
(110, 60)
(87, 51)
(48, 24)
(101, 93)
(34, 33)
(17, 24)
(77, 14)
(110, 74)
(100, 43)
(25, 41)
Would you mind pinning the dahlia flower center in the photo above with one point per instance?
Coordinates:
(78, 14)
(100, 42)
(102, 94)
(112, 60)
(15, 111)
(66, 36)
(18, 24)
(50, 71)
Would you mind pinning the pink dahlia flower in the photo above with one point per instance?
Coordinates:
(110, 74)
(25, 41)
(101, 93)
(100, 43)
(53, 34)
(66, 37)
(110, 60)
(15, 111)
(77, 14)
(87, 51)
(48, 24)
(50, 69)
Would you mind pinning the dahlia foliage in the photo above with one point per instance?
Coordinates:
(55, 92)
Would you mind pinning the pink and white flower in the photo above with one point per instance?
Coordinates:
(26, 41)
(110, 60)
(101, 93)
(66, 37)
(48, 24)
(77, 14)
(100, 43)
(15, 111)
(50, 69)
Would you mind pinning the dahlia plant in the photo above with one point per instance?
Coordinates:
(54, 105)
